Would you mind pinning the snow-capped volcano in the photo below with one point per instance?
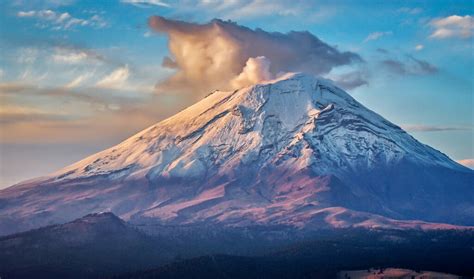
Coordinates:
(295, 151)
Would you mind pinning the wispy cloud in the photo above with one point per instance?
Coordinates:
(311, 10)
(433, 128)
(70, 58)
(236, 9)
(75, 56)
(411, 11)
(47, 104)
(33, 91)
(81, 115)
(116, 79)
(422, 67)
(32, 13)
(78, 80)
(452, 27)
(27, 55)
(351, 80)
(13, 87)
(410, 66)
(20, 114)
(377, 35)
(64, 21)
(147, 2)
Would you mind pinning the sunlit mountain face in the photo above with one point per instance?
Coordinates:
(251, 150)
(296, 151)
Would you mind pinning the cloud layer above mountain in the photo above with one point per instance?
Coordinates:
(224, 55)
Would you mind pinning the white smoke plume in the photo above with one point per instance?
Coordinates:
(256, 70)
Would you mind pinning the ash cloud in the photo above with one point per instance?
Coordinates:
(224, 55)
(351, 80)
(412, 66)
(433, 128)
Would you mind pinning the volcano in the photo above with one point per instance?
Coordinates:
(296, 151)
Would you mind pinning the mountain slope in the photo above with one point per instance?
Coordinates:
(103, 246)
(296, 151)
(92, 246)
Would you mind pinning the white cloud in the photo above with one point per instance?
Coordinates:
(419, 47)
(452, 27)
(64, 20)
(78, 80)
(63, 17)
(147, 2)
(70, 58)
(42, 14)
(116, 79)
(377, 35)
(26, 14)
(67, 55)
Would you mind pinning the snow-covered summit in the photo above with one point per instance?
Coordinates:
(296, 119)
(294, 151)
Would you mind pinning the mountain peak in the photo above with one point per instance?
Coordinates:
(294, 151)
(99, 217)
(256, 114)
(298, 121)
(300, 80)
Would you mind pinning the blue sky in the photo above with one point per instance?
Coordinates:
(80, 76)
